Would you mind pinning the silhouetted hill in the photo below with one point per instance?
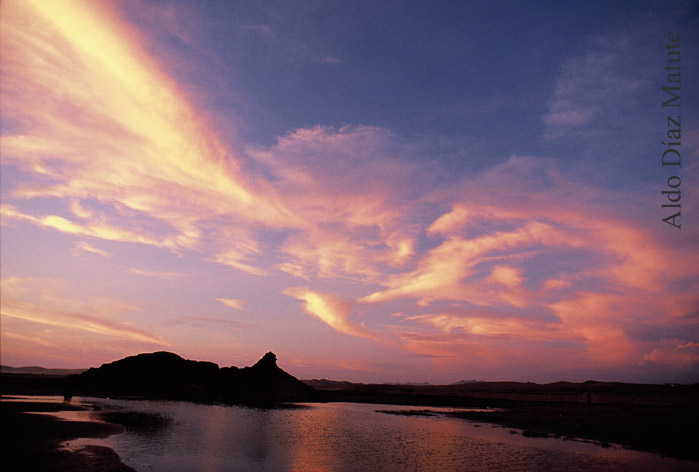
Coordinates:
(264, 381)
(167, 375)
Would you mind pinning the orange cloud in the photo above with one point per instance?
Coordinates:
(232, 303)
(118, 130)
(236, 259)
(484, 326)
(159, 275)
(82, 247)
(351, 216)
(101, 120)
(37, 302)
(449, 222)
(440, 272)
(330, 310)
(102, 131)
(675, 352)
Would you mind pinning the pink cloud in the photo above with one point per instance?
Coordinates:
(41, 302)
(531, 256)
(674, 352)
(330, 310)
(234, 303)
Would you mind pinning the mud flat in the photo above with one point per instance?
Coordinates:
(32, 442)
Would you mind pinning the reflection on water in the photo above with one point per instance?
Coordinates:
(345, 437)
(34, 398)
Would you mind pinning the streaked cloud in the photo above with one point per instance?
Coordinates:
(593, 87)
(136, 142)
(83, 247)
(673, 352)
(157, 274)
(330, 310)
(379, 236)
(232, 303)
(38, 301)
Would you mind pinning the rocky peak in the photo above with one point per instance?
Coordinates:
(269, 360)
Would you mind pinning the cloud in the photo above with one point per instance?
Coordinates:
(235, 258)
(440, 272)
(38, 301)
(548, 220)
(99, 126)
(344, 188)
(593, 88)
(488, 326)
(519, 259)
(157, 274)
(540, 262)
(232, 303)
(95, 229)
(83, 247)
(330, 310)
(296, 48)
(97, 118)
(675, 352)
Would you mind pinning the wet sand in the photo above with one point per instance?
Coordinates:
(31, 442)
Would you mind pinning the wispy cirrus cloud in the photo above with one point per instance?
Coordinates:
(352, 210)
(157, 274)
(330, 310)
(40, 301)
(137, 163)
(542, 261)
(129, 137)
(516, 261)
(593, 88)
(82, 247)
(675, 351)
(234, 303)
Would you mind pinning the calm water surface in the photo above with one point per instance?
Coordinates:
(179, 436)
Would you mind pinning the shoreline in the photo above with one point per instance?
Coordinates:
(665, 430)
(659, 419)
(32, 442)
(666, 433)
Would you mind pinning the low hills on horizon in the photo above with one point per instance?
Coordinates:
(168, 375)
(37, 370)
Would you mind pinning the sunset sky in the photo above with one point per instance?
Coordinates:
(375, 191)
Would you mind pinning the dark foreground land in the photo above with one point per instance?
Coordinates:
(31, 442)
(657, 418)
(663, 430)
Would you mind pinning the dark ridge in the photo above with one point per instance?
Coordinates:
(166, 375)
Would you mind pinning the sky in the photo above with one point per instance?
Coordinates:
(375, 191)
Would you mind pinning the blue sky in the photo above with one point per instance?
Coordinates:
(448, 75)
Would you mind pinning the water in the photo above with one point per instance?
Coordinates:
(178, 436)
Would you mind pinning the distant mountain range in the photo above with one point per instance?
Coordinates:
(4, 369)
